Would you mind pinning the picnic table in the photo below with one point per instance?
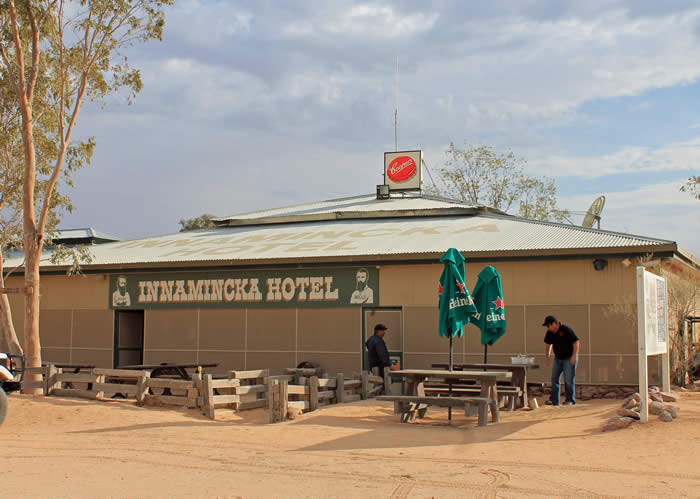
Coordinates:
(76, 368)
(413, 401)
(175, 370)
(519, 373)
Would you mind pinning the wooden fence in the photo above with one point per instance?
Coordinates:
(302, 389)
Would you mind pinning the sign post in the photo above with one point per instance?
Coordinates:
(652, 333)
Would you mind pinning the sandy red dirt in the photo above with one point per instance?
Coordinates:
(62, 447)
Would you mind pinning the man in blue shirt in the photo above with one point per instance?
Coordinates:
(377, 351)
(562, 339)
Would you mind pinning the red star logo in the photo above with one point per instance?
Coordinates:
(460, 285)
(439, 289)
(499, 303)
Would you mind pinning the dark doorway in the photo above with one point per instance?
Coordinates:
(128, 338)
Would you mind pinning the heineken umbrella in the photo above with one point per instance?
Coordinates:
(456, 306)
(490, 315)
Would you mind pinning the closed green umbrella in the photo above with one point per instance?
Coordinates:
(490, 315)
(456, 305)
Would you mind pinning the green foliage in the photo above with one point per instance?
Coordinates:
(692, 186)
(200, 222)
(480, 175)
(74, 256)
(56, 55)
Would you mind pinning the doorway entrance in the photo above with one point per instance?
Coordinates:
(128, 338)
(392, 318)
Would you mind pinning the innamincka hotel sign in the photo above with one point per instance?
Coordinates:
(336, 287)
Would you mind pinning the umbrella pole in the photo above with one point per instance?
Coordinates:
(486, 347)
(449, 391)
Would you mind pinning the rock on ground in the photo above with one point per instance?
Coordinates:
(617, 423)
(656, 407)
(665, 416)
(669, 397)
(628, 413)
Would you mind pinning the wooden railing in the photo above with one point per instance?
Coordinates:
(303, 389)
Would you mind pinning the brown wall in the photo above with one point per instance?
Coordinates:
(572, 290)
(78, 326)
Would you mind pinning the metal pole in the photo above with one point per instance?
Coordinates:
(449, 382)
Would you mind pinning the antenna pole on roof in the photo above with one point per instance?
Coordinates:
(396, 105)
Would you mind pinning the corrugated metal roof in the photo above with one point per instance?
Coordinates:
(364, 206)
(87, 234)
(481, 234)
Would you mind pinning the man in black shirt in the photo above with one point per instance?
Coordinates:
(376, 350)
(562, 339)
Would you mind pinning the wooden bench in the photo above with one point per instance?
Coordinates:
(509, 392)
(408, 406)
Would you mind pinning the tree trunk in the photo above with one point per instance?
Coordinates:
(32, 344)
(8, 326)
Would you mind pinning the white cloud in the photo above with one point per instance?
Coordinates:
(671, 157)
(657, 210)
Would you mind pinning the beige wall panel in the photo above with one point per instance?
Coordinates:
(653, 370)
(425, 361)
(529, 284)
(271, 329)
(613, 333)
(409, 285)
(614, 369)
(55, 355)
(166, 329)
(513, 341)
(93, 328)
(55, 328)
(614, 284)
(421, 332)
(17, 306)
(575, 316)
(78, 291)
(228, 361)
(99, 358)
(159, 356)
(330, 329)
(471, 340)
(275, 361)
(222, 329)
(334, 363)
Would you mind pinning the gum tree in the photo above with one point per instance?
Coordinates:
(480, 175)
(74, 51)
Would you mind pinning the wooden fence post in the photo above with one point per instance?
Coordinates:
(272, 399)
(340, 388)
(284, 399)
(365, 388)
(100, 378)
(313, 393)
(193, 392)
(142, 389)
(50, 379)
(208, 396)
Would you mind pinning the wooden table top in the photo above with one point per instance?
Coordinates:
(439, 373)
(477, 365)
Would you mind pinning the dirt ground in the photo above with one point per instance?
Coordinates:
(62, 447)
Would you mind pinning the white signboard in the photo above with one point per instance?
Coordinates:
(652, 332)
(654, 305)
(402, 170)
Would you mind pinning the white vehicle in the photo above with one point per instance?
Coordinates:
(11, 375)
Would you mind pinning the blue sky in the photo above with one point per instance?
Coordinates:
(250, 105)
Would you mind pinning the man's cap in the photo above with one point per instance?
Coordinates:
(380, 327)
(550, 319)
